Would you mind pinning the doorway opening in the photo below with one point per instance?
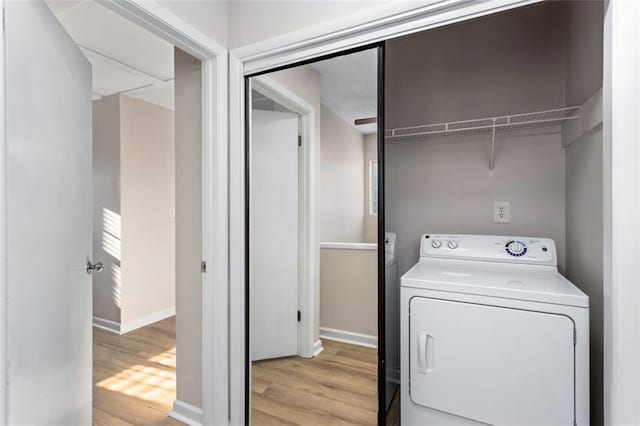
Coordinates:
(147, 218)
(503, 144)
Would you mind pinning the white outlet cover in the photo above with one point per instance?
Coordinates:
(501, 212)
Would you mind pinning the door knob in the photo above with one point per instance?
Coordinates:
(98, 267)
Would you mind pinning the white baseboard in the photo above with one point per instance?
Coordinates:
(349, 337)
(119, 328)
(317, 348)
(147, 319)
(186, 413)
(106, 325)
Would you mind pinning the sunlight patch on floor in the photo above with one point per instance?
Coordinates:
(145, 381)
(167, 358)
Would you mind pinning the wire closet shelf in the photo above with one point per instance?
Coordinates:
(487, 125)
(490, 125)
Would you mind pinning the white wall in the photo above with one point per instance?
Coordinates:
(239, 23)
(211, 18)
(370, 221)
(496, 65)
(341, 185)
(147, 201)
(188, 146)
(254, 21)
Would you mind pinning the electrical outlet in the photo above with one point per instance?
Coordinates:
(501, 212)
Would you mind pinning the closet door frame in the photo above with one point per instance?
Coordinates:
(621, 190)
(391, 21)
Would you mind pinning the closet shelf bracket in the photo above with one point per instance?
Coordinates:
(493, 146)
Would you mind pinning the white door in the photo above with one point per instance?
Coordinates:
(273, 230)
(494, 365)
(48, 160)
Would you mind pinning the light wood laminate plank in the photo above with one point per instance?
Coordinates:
(338, 387)
(134, 376)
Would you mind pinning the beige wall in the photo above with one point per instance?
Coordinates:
(342, 184)
(502, 64)
(147, 200)
(444, 186)
(188, 148)
(107, 230)
(585, 248)
(585, 20)
(584, 182)
(370, 221)
(133, 199)
(349, 290)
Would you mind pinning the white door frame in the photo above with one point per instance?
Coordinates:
(621, 183)
(173, 29)
(307, 261)
(383, 23)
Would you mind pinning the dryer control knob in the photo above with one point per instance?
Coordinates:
(452, 245)
(436, 244)
(516, 248)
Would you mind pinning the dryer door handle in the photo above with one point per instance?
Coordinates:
(426, 349)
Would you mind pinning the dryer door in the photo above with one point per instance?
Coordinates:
(495, 365)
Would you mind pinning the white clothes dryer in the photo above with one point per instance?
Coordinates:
(492, 333)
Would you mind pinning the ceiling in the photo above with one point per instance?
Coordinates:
(261, 102)
(125, 58)
(350, 86)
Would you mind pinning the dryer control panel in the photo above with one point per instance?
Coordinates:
(493, 248)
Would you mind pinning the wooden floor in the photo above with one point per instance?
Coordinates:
(134, 376)
(134, 382)
(338, 387)
(393, 414)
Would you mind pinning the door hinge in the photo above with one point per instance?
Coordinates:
(299, 140)
(203, 267)
(299, 316)
(575, 336)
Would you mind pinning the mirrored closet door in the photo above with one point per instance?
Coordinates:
(316, 259)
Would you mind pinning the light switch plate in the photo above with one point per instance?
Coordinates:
(501, 212)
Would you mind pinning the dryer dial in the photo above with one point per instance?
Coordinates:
(516, 248)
